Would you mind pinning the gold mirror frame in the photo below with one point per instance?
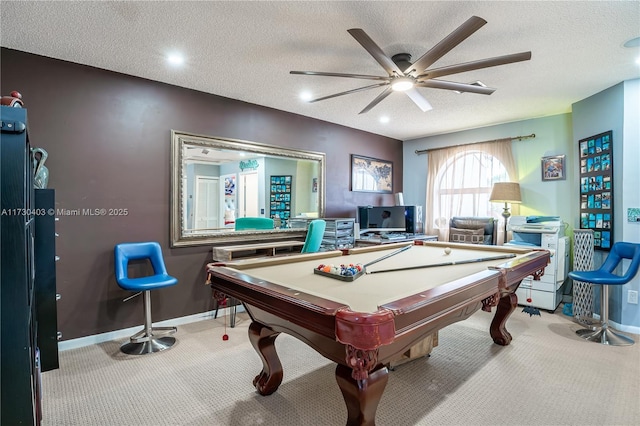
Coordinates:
(222, 236)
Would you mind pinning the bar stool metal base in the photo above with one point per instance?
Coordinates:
(150, 346)
(605, 336)
(149, 340)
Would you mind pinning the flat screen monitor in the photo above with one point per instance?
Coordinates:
(371, 218)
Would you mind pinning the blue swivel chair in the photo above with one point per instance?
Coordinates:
(244, 223)
(315, 232)
(147, 340)
(605, 277)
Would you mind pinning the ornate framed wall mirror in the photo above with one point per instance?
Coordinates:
(214, 181)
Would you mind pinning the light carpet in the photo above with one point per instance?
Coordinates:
(547, 376)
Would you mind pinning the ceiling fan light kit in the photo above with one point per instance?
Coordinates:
(404, 76)
(401, 84)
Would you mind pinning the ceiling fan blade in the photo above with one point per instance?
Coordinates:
(418, 99)
(377, 100)
(337, 74)
(375, 51)
(460, 87)
(360, 89)
(476, 65)
(472, 25)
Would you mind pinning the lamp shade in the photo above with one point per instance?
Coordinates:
(506, 192)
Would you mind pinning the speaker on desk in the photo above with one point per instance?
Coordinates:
(413, 220)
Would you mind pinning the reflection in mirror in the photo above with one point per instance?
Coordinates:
(216, 180)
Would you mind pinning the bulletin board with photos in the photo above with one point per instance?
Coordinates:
(596, 188)
(280, 197)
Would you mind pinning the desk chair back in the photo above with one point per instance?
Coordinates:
(244, 223)
(315, 232)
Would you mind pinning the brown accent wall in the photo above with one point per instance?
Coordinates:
(108, 139)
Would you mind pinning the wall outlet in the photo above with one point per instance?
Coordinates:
(632, 297)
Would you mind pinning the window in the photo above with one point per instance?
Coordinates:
(463, 185)
(460, 179)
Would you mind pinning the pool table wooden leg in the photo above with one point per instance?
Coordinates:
(362, 396)
(263, 339)
(498, 330)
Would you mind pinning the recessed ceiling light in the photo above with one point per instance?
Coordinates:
(175, 59)
(384, 119)
(306, 96)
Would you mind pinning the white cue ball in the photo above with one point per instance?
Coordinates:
(447, 251)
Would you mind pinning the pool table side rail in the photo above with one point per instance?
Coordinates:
(510, 272)
(514, 271)
(314, 312)
(422, 307)
(274, 260)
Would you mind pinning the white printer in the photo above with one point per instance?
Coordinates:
(545, 232)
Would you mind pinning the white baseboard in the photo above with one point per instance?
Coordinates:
(625, 328)
(127, 332)
(632, 329)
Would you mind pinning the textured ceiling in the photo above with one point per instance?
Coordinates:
(245, 50)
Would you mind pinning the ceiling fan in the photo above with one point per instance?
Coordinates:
(405, 76)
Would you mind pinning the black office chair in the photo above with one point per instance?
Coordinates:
(605, 277)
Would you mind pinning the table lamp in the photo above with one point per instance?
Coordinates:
(505, 192)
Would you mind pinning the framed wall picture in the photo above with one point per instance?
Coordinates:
(371, 175)
(553, 168)
(596, 188)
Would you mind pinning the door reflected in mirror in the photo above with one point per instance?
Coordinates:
(215, 181)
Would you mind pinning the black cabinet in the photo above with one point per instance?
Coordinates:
(45, 283)
(19, 364)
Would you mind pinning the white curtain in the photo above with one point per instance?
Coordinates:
(459, 183)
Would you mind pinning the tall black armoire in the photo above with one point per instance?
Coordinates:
(19, 292)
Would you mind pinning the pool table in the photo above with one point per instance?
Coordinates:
(364, 324)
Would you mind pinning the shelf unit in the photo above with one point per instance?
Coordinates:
(20, 375)
(45, 281)
(280, 197)
(339, 233)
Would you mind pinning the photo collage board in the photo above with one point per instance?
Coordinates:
(280, 197)
(596, 188)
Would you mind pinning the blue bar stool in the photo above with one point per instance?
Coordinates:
(605, 277)
(147, 340)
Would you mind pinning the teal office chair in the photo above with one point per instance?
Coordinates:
(315, 232)
(605, 277)
(245, 223)
(147, 340)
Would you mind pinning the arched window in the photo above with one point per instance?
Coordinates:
(460, 179)
(463, 185)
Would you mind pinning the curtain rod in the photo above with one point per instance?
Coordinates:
(531, 136)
